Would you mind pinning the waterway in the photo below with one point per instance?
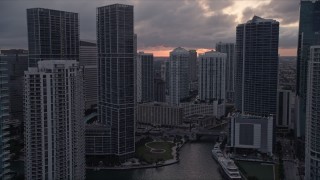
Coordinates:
(195, 163)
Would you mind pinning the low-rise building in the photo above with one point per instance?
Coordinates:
(97, 139)
(216, 109)
(251, 132)
(156, 113)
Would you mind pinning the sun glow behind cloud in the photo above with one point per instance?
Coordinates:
(239, 6)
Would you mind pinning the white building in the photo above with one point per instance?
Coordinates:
(144, 77)
(251, 132)
(178, 72)
(312, 151)
(229, 49)
(54, 121)
(212, 76)
(89, 60)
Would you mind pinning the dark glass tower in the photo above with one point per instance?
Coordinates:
(229, 49)
(116, 76)
(309, 34)
(257, 66)
(52, 35)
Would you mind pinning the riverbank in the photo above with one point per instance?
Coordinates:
(195, 162)
(175, 154)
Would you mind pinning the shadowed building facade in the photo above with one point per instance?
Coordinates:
(115, 38)
(257, 66)
(52, 34)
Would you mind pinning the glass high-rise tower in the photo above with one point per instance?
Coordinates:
(52, 35)
(115, 37)
(4, 120)
(309, 34)
(257, 66)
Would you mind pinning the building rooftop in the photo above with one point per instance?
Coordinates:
(179, 50)
(213, 53)
(257, 19)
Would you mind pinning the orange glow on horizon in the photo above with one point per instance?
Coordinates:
(164, 52)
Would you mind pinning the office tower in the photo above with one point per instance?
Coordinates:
(312, 155)
(52, 35)
(309, 34)
(116, 77)
(89, 60)
(285, 98)
(144, 77)
(212, 76)
(178, 72)
(167, 80)
(193, 66)
(229, 49)
(159, 90)
(54, 121)
(17, 63)
(163, 71)
(4, 120)
(257, 66)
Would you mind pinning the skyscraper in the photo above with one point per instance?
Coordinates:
(309, 34)
(312, 151)
(89, 61)
(178, 74)
(229, 49)
(257, 66)
(52, 34)
(159, 90)
(4, 120)
(144, 77)
(54, 121)
(115, 37)
(17, 63)
(212, 76)
(193, 76)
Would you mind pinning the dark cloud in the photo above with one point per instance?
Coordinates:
(170, 23)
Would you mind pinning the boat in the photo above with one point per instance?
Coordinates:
(227, 166)
(230, 170)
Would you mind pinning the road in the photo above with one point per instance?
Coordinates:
(290, 170)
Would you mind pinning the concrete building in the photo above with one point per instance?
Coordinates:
(251, 132)
(309, 28)
(212, 76)
(4, 121)
(54, 121)
(145, 77)
(46, 37)
(159, 90)
(216, 109)
(257, 66)
(312, 150)
(116, 52)
(89, 60)
(179, 75)
(163, 114)
(229, 49)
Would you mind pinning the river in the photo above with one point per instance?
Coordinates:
(195, 163)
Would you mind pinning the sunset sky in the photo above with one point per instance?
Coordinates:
(162, 25)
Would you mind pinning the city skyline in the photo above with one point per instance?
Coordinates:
(156, 30)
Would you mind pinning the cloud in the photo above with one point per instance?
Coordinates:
(165, 23)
